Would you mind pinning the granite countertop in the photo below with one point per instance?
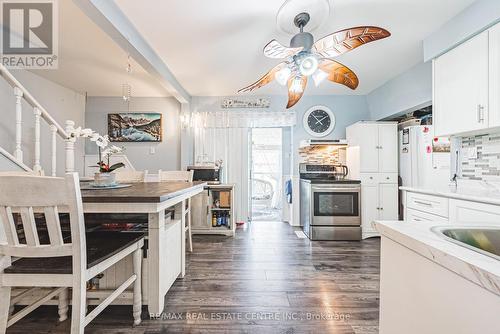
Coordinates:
(483, 195)
(473, 266)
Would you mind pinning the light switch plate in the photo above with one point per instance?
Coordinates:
(152, 150)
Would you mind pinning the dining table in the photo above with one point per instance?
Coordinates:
(151, 199)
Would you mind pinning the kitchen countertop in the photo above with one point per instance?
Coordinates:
(482, 195)
(473, 266)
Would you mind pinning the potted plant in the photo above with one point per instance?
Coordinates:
(104, 177)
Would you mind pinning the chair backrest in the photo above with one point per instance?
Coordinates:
(175, 175)
(27, 195)
(131, 175)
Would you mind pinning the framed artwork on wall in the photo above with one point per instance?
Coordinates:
(135, 127)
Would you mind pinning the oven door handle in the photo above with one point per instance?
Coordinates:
(334, 189)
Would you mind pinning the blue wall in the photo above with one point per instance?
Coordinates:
(407, 92)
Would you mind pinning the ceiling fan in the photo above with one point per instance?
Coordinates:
(305, 58)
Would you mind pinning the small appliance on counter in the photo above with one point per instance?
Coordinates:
(210, 173)
(330, 207)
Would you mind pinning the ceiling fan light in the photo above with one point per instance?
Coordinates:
(296, 86)
(319, 76)
(283, 75)
(308, 65)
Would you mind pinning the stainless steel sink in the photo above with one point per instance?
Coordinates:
(485, 240)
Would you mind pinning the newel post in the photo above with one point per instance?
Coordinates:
(70, 147)
(18, 153)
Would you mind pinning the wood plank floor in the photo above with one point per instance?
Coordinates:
(265, 280)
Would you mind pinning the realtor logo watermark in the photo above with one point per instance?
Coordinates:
(29, 37)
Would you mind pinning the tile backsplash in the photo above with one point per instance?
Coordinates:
(480, 157)
(322, 154)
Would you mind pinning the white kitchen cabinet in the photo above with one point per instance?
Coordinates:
(473, 213)
(373, 147)
(494, 76)
(372, 157)
(379, 201)
(415, 216)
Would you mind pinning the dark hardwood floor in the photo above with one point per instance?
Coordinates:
(265, 280)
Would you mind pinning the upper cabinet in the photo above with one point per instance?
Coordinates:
(373, 147)
(466, 86)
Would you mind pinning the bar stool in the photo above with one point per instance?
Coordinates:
(61, 263)
(181, 176)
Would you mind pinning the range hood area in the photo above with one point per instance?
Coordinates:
(314, 142)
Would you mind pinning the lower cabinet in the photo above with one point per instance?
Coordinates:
(466, 213)
(379, 201)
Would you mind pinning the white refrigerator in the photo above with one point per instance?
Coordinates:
(424, 160)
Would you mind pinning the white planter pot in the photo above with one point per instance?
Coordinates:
(104, 179)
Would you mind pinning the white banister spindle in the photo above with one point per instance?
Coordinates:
(53, 133)
(70, 147)
(37, 168)
(18, 153)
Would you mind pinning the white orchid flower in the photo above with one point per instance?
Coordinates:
(87, 133)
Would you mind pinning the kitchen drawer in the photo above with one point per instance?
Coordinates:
(388, 177)
(427, 203)
(369, 178)
(415, 216)
(473, 213)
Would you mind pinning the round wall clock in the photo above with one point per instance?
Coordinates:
(319, 121)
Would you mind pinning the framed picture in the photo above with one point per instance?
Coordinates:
(135, 127)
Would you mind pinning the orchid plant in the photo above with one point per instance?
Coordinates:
(103, 147)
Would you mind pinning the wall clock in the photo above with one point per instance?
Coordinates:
(319, 121)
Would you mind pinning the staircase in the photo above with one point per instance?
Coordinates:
(57, 132)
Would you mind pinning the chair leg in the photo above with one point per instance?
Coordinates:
(4, 307)
(63, 305)
(78, 306)
(137, 297)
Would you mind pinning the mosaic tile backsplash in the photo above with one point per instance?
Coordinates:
(321, 154)
(480, 157)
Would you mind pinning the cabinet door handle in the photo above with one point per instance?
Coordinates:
(480, 113)
(422, 203)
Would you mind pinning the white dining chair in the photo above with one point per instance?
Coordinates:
(181, 176)
(58, 262)
(131, 175)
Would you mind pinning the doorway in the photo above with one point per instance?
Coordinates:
(266, 166)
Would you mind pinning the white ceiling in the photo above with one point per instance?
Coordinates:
(90, 61)
(215, 47)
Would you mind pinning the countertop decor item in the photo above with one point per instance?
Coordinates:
(306, 58)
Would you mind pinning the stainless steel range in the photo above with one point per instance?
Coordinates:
(330, 204)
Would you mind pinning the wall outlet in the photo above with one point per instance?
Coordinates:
(152, 150)
(470, 153)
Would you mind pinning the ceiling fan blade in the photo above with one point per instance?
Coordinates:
(267, 78)
(339, 73)
(296, 88)
(346, 40)
(276, 50)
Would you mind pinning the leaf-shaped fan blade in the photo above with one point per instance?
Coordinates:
(267, 78)
(296, 88)
(346, 40)
(339, 73)
(276, 50)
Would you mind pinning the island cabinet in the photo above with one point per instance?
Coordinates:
(466, 81)
(212, 211)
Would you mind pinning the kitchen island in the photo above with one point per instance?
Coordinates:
(166, 252)
(431, 285)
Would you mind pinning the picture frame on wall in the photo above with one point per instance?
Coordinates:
(135, 127)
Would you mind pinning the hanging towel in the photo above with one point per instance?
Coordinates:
(288, 191)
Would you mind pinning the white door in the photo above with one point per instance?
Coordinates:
(461, 88)
(369, 152)
(388, 148)
(494, 60)
(388, 199)
(369, 206)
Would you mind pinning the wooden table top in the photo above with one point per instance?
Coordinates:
(141, 192)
